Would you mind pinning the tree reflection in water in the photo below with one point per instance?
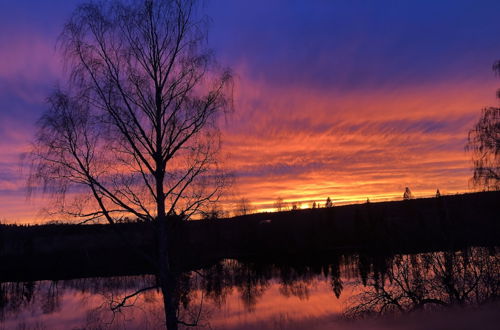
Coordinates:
(384, 284)
(429, 281)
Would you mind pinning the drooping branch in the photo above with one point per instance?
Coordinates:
(484, 144)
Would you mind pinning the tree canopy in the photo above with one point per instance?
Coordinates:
(484, 144)
(133, 130)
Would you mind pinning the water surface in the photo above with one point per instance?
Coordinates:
(457, 289)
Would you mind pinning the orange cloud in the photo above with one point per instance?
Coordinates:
(305, 145)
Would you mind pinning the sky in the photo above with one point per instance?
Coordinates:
(348, 99)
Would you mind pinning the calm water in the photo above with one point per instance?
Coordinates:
(445, 290)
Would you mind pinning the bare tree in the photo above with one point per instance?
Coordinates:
(428, 281)
(484, 144)
(243, 207)
(134, 130)
(214, 213)
(279, 204)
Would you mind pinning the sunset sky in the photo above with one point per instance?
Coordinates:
(348, 99)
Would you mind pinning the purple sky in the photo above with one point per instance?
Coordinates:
(351, 99)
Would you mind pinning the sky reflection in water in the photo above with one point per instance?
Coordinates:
(345, 292)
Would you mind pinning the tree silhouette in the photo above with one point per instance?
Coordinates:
(428, 281)
(279, 204)
(243, 207)
(135, 126)
(407, 194)
(484, 144)
(214, 213)
(328, 202)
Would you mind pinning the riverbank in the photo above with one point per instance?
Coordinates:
(66, 251)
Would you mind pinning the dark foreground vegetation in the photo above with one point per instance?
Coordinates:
(66, 251)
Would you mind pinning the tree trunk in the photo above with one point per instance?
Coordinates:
(167, 282)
